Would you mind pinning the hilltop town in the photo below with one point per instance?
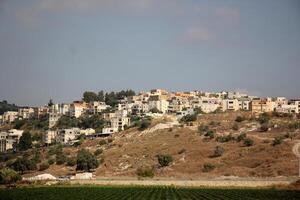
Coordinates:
(161, 133)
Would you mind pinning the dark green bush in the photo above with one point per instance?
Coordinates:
(71, 161)
(44, 166)
(164, 160)
(248, 142)
(98, 152)
(9, 176)
(277, 140)
(207, 167)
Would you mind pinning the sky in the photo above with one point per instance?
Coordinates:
(60, 48)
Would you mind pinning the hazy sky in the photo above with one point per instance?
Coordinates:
(60, 48)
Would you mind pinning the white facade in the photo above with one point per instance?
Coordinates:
(162, 105)
(10, 116)
(49, 137)
(25, 113)
(53, 119)
(230, 104)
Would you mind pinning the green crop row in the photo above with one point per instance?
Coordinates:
(142, 193)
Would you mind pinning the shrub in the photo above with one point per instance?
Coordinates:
(86, 161)
(294, 125)
(44, 166)
(71, 161)
(248, 142)
(264, 127)
(239, 119)
(277, 140)
(225, 138)
(164, 160)
(60, 159)
(202, 129)
(264, 118)
(145, 123)
(109, 140)
(102, 142)
(235, 127)
(218, 151)
(241, 137)
(188, 118)
(51, 161)
(182, 151)
(145, 172)
(98, 152)
(207, 167)
(9, 176)
(210, 134)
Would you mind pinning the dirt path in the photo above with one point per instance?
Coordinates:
(249, 183)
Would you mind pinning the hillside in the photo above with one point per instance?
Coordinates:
(129, 150)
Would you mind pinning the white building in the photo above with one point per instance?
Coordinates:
(77, 109)
(230, 104)
(49, 137)
(97, 107)
(53, 119)
(25, 113)
(162, 105)
(292, 108)
(10, 116)
(244, 103)
(67, 135)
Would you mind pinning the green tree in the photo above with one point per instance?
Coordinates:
(24, 164)
(101, 96)
(8, 176)
(89, 96)
(25, 142)
(86, 161)
(50, 103)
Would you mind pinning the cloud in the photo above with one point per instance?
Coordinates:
(199, 34)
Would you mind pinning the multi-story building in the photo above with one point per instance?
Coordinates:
(244, 103)
(259, 105)
(97, 107)
(291, 108)
(41, 111)
(230, 104)
(209, 105)
(26, 113)
(49, 137)
(9, 116)
(77, 108)
(53, 119)
(62, 109)
(67, 135)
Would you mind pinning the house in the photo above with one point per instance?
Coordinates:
(97, 107)
(65, 136)
(41, 111)
(26, 113)
(259, 105)
(118, 121)
(244, 103)
(88, 131)
(49, 137)
(53, 119)
(295, 102)
(209, 105)
(9, 116)
(77, 108)
(230, 104)
(290, 108)
(62, 109)
(9, 139)
(139, 108)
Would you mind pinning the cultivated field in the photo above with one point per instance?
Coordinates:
(151, 193)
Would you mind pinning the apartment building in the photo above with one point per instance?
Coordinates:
(49, 137)
(209, 105)
(26, 113)
(41, 111)
(65, 136)
(62, 108)
(77, 108)
(97, 107)
(291, 108)
(244, 103)
(230, 105)
(53, 119)
(9, 116)
(259, 105)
